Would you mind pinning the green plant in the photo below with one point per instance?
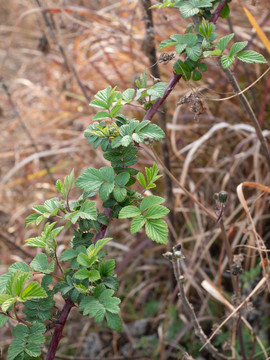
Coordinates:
(81, 273)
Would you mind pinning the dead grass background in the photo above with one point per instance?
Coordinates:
(103, 41)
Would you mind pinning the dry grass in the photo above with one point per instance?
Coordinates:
(220, 151)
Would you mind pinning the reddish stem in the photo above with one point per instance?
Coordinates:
(59, 326)
(174, 80)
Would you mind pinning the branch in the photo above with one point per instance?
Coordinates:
(174, 80)
(59, 326)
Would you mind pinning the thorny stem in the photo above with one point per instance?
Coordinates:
(189, 308)
(59, 326)
(231, 78)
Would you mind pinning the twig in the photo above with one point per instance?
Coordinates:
(150, 51)
(16, 246)
(63, 53)
(174, 80)
(176, 261)
(231, 78)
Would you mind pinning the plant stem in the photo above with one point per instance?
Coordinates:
(150, 51)
(59, 326)
(189, 308)
(174, 80)
(231, 78)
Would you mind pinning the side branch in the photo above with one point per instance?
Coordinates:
(174, 80)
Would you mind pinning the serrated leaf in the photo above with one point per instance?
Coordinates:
(137, 137)
(33, 291)
(126, 140)
(202, 67)
(137, 223)
(111, 305)
(93, 250)
(37, 339)
(122, 179)
(68, 255)
(37, 328)
(196, 75)
(101, 116)
(40, 209)
(15, 348)
(166, 43)
(238, 46)
(153, 131)
(224, 41)
(179, 48)
(105, 190)
(3, 320)
(250, 56)
(107, 173)
(94, 276)
(194, 52)
(156, 212)
(90, 306)
(215, 52)
(129, 212)
(150, 201)
(119, 193)
(226, 61)
(157, 230)
(31, 219)
(106, 268)
(82, 274)
(9, 302)
(140, 177)
(36, 242)
(106, 294)
(40, 263)
(128, 95)
(89, 180)
(114, 321)
(19, 265)
(32, 350)
(20, 331)
(111, 282)
(83, 260)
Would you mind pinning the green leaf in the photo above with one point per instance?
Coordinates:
(20, 265)
(129, 212)
(137, 223)
(31, 219)
(82, 274)
(226, 61)
(8, 303)
(106, 268)
(32, 350)
(20, 331)
(105, 190)
(140, 177)
(90, 306)
(3, 320)
(215, 52)
(36, 242)
(111, 305)
(94, 276)
(101, 115)
(151, 200)
(84, 260)
(111, 282)
(238, 46)
(37, 328)
(107, 173)
(119, 194)
(93, 250)
(33, 291)
(225, 11)
(202, 67)
(137, 137)
(114, 321)
(122, 179)
(68, 254)
(40, 263)
(153, 131)
(224, 41)
(250, 56)
(196, 75)
(166, 43)
(100, 104)
(126, 140)
(128, 95)
(194, 52)
(156, 212)
(90, 180)
(157, 230)
(15, 348)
